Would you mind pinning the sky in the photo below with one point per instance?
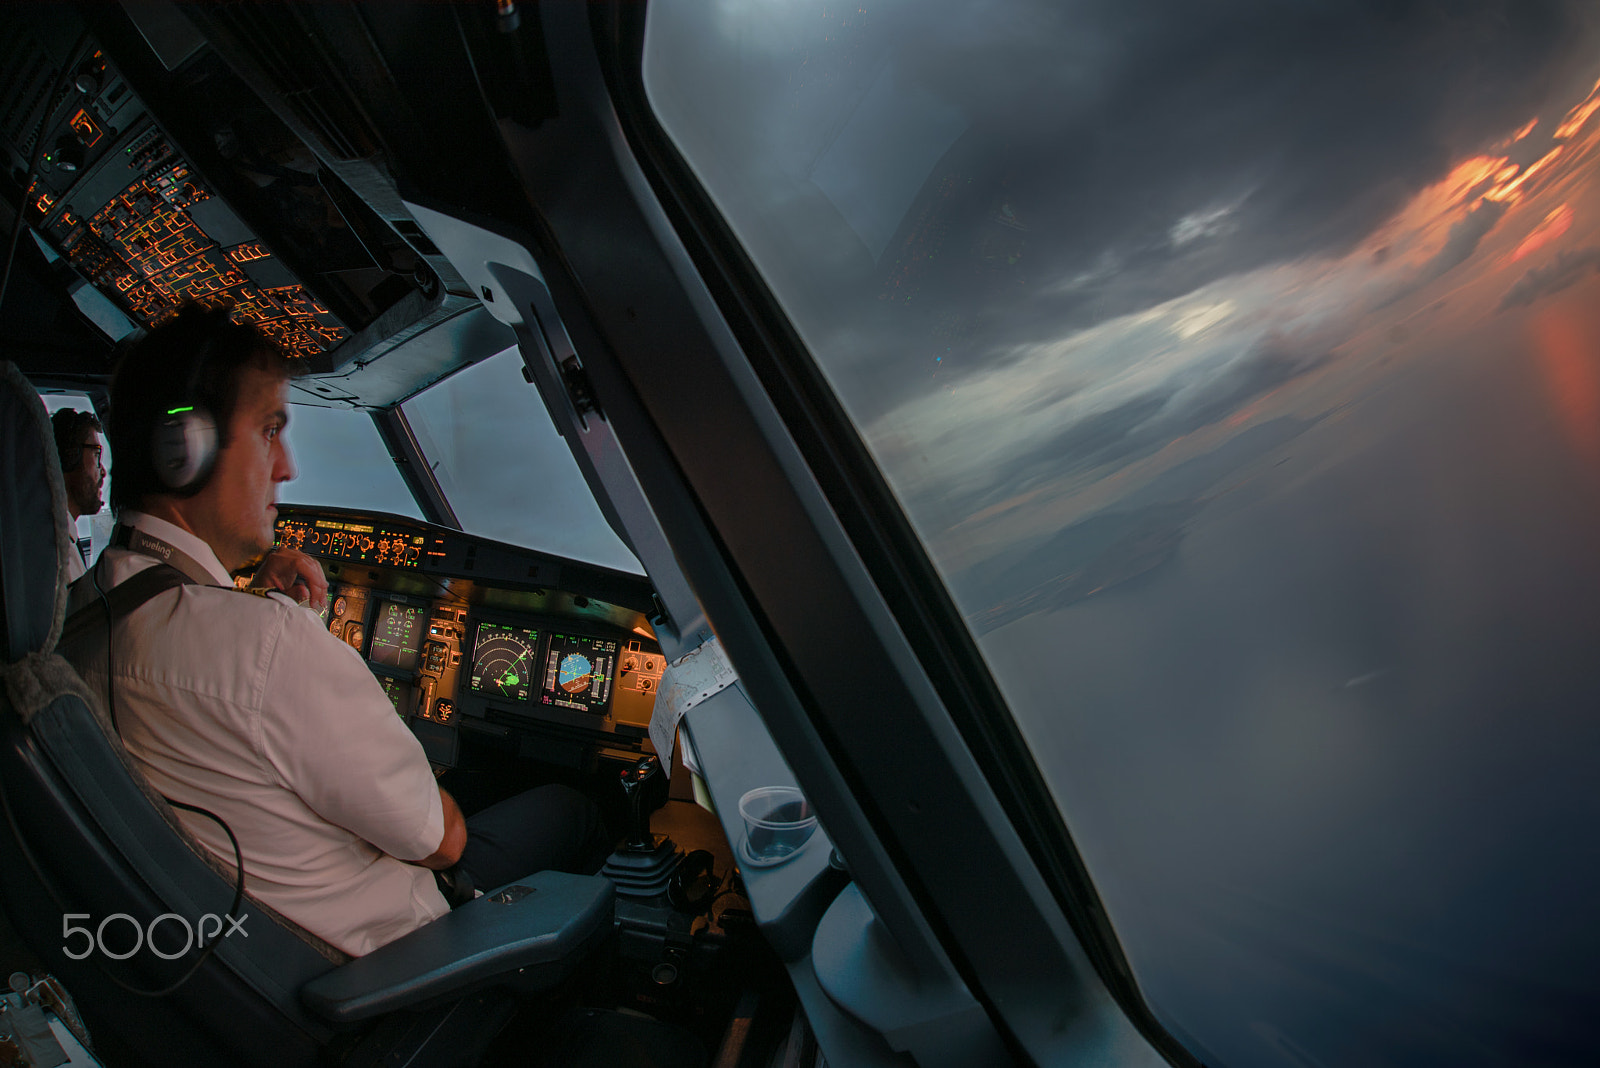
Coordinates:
(1239, 366)
(1186, 183)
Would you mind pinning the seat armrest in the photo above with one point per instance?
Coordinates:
(536, 930)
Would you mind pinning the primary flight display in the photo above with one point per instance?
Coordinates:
(579, 672)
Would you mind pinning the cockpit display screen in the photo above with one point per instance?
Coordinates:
(578, 673)
(398, 693)
(397, 634)
(366, 542)
(503, 661)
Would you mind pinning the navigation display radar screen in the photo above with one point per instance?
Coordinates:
(399, 694)
(397, 634)
(578, 673)
(503, 661)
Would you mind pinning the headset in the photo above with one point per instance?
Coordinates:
(184, 445)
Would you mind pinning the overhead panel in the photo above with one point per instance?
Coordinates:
(162, 238)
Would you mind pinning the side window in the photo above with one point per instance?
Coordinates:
(95, 529)
(1236, 365)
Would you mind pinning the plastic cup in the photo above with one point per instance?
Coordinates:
(778, 820)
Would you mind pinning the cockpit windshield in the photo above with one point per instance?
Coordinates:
(341, 460)
(505, 471)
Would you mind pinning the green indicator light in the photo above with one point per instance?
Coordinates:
(175, 411)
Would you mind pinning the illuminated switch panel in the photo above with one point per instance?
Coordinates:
(149, 249)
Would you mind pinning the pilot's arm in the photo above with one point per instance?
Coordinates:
(455, 836)
(332, 737)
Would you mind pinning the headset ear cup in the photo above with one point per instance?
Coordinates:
(184, 449)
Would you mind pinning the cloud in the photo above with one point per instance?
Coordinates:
(1211, 222)
(1464, 239)
(1459, 245)
(1152, 214)
(1270, 362)
(1109, 395)
(1553, 277)
(1146, 151)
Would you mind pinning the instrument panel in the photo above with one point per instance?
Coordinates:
(397, 635)
(447, 664)
(466, 637)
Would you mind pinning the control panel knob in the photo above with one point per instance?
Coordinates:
(67, 155)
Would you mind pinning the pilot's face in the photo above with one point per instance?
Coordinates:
(238, 502)
(85, 483)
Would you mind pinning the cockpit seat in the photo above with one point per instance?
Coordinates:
(106, 886)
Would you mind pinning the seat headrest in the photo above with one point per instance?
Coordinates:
(34, 539)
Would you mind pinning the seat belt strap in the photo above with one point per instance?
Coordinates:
(124, 598)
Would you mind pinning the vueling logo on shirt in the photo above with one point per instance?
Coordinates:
(151, 545)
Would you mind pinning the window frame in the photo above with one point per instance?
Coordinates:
(395, 432)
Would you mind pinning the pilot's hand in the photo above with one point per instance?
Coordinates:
(293, 572)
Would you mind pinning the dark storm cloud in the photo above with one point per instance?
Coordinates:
(1106, 126)
(1110, 157)
(1553, 277)
(1144, 149)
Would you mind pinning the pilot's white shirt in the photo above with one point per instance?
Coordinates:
(247, 706)
(75, 567)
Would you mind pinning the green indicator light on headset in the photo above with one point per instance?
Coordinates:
(175, 411)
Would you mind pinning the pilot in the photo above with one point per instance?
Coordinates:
(245, 705)
(78, 441)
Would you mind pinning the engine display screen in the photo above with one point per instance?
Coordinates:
(397, 635)
(503, 661)
(399, 694)
(578, 673)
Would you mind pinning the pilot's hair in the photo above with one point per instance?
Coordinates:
(69, 426)
(198, 358)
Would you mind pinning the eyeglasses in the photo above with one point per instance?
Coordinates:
(97, 451)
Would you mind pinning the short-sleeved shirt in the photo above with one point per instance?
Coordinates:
(246, 706)
(75, 566)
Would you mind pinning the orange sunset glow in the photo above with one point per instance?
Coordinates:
(1554, 225)
(1579, 115)
(1564, 349)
